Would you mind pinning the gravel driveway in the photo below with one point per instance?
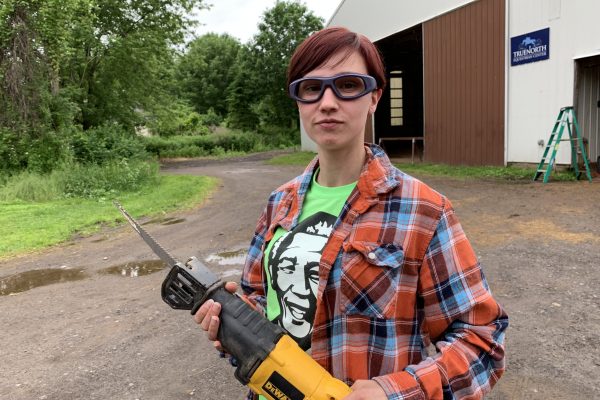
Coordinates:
(102, 331)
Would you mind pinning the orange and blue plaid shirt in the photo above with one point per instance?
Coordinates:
(397, 274)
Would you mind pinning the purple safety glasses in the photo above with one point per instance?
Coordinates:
(345, 87)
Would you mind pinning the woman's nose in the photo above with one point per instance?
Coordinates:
(329, 100)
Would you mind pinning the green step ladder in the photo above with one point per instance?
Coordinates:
(566, 118)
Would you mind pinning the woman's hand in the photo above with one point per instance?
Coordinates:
(207, 316)
(366, 390)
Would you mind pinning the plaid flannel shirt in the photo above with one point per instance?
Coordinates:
(397, 274)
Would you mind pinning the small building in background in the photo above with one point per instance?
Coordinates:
(481, 82)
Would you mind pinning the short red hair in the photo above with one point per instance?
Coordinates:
(319, 47)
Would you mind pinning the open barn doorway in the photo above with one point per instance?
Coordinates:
(399, 116)
(587, 105)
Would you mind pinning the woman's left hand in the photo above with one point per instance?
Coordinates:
(366, 390)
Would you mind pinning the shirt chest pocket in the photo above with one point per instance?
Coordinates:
(370, 277)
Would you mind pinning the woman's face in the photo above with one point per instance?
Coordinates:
(335, 124)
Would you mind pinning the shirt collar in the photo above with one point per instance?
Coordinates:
(377, 176)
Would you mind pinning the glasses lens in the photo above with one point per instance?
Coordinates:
(349, 86)
(309, 89)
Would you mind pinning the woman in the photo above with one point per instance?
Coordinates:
(395, 271)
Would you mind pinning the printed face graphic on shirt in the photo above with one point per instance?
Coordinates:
(294, 270)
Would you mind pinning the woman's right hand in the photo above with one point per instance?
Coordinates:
(207, 316)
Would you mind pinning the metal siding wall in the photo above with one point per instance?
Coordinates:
(588, 112)
(464, 85)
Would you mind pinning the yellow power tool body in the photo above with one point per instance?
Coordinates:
(268, 361)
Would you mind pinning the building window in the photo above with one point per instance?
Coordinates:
(396, 99)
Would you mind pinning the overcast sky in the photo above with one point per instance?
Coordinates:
(240, 18)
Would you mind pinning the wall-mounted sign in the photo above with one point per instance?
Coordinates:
(530, 47)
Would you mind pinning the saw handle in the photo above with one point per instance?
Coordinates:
(244, 333)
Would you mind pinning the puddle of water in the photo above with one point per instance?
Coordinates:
(135, 268)
(27, 280)
(230, 272)
(228, 257)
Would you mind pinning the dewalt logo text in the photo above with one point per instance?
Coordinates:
(279, 388)
(275, 392)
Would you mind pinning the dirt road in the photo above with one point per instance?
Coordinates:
(101, 333)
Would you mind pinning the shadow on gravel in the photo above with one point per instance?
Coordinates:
(165, 221)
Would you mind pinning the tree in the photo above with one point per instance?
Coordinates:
(71, 64)
(21, 65)
(281, 30)
(242, 93)
(98, 60)
(124, 51)
(206, 70)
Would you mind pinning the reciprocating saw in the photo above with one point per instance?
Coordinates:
(268, 361)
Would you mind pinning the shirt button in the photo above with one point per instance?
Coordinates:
(372, 256)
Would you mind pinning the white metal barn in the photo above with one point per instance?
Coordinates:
(481, 82)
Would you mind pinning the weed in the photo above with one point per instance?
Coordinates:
(77, 180)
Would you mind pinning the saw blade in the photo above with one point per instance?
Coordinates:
(150, 241)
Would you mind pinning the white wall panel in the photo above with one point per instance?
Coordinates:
(537, 91)
(377, 19)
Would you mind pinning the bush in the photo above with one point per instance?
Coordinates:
(197, 146)
(95, 181)
(177, 119)
(31, 186)
(211, 119)
(13, 151)
(106, 143)
(48, 152)
(77, 180)
(278, 137)
(19, 151)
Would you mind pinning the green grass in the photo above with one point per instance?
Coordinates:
(510, 173)
(30, 226)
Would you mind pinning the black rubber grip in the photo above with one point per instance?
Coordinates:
(244, 333)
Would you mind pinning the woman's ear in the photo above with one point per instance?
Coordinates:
(375, 96)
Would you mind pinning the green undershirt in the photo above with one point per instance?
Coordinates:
(319, 199)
